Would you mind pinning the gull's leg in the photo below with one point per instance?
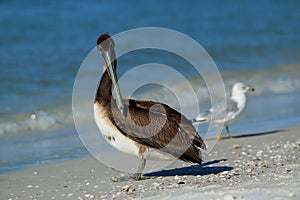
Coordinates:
(138, 174)
(228, 132)
(219, 133)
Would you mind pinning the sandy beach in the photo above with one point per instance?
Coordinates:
(262, 165)
(51, 69)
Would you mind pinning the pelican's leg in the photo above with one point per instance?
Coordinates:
(219, 133)
(138, 174)
(228, 132)
(130, 177)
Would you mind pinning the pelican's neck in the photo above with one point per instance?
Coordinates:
(104, 93)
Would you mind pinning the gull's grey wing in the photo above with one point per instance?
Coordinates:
(232, 106)
(219, 112)
(223, 111)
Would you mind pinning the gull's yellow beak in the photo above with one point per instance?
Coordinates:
(251, 89)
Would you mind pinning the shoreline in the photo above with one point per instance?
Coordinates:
(252, 166)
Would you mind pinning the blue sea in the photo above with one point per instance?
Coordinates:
(43, 44)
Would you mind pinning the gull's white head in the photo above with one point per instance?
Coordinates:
(240, 88)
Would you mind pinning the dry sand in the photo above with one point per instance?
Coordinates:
(253, 166)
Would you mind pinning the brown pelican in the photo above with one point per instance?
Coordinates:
(146, 129)
(229, 112)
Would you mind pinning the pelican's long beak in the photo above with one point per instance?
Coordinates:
(251, 89)
(109, 58)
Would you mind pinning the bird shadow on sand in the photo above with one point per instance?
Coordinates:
(203, 169)
(255, 134)
(245, 135)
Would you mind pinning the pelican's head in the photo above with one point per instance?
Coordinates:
(106, 45)
(241, 88)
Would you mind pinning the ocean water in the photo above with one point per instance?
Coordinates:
(43, 44)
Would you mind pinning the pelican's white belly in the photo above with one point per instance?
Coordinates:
(112, 134)
(114, 137)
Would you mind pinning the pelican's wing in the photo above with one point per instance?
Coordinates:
(158, 126)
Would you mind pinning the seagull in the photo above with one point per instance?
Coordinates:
(229, 112)
(146, 129)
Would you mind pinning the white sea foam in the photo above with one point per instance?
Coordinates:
(38, 121)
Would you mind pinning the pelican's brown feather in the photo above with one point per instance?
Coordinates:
(158, 126)
(172, 114)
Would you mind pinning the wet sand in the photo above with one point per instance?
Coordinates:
(262, 165)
